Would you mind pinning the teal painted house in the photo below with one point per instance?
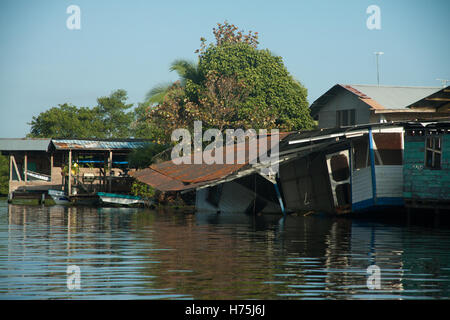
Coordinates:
(426, 168)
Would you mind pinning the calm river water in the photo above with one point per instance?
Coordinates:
(145, 254)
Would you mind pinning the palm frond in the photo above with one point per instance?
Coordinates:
(187, 70)
(157, 93)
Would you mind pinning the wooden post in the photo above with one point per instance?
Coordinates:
(69, 182)
(104, 174)
(10, 179)
(25, 161)
(10, 168)
(110, 170)
(16, 168)
(372, 166)
(51, 167)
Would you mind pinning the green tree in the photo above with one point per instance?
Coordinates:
(187, 71)
(145, 156)
(239, 86)
(112, 111)
(274, 93)
(109, 119)
(67, 121)
(4, 175)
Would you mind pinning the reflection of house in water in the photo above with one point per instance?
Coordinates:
(385, 248)
(77, 166)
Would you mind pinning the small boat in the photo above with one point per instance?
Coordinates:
(59, 196)
(119, 199)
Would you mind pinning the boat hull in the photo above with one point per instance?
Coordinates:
(119, 199)
(59, 197)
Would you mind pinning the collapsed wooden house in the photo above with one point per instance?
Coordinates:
(346, 170)
(76, 166)
(330, 170)
(232, 187)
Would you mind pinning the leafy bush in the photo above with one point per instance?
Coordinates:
(4, 175)
(142, 190)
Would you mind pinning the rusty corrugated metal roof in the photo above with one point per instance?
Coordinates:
(168, 176)
(363, 97)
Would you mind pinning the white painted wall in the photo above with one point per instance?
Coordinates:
(361, 185)
(389, 181)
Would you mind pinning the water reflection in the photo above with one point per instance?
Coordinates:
(137, 253)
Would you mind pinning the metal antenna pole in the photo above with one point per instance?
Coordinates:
(378, 73)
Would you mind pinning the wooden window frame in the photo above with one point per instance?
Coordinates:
(434, 150)
(348, 114)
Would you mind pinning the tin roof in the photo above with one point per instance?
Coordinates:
(376, 97)
(172, 176)
(37, 144)
(66, 144)
(314, 136)
(24, 144)
(169, 176)
(439, 100)
(395, 97)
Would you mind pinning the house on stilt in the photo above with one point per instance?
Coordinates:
(76, 166)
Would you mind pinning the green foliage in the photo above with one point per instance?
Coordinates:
(233, 85)
(143, 157)
(143, 127)
(4, 175)
(157, 93)
(107, 120)
(186, 70)
(112, 112)
(274, 93)
(142, 190)
(67, 121)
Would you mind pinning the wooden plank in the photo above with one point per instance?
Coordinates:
(10, 167)
(361, 185)
(25, 160)
(437, 99)
(51, 167)
(110, 169)
(69, 183)
(15, 167)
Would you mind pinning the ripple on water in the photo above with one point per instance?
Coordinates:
(144, 254)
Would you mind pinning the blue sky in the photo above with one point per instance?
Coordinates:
(130, 45)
